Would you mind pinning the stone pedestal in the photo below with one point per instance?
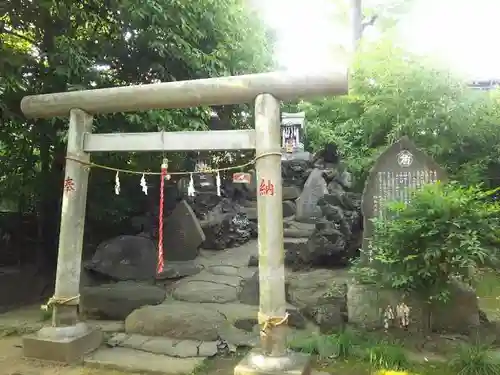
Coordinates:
(256, 363)
(62, 344)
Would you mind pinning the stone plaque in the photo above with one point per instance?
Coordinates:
(398, 171)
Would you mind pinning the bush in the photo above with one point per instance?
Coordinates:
(474, 360)
(443, 234)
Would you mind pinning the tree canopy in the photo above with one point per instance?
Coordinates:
(395, 93)
(53, 46)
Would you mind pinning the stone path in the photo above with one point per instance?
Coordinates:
(124, 359)
(195, 317)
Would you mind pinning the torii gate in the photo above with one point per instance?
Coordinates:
(67, 339)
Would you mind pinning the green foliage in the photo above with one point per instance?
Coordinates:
(474, 360)
(385, 355)
(409, 95)
(444, 233)
(339, 345)
(307, 344)
(52, 46)
(344, 342)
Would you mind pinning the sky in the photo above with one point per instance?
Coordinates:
(458, 33)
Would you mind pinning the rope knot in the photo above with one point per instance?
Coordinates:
(269, 322)
(54, 301)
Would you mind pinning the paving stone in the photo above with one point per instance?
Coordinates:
(207, 349)
(134, 341)
(108, 325)
(205, 291)
(232, 280)
(131, 360)
(226, 270)
(165, 345)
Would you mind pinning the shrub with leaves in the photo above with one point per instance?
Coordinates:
(444, 233)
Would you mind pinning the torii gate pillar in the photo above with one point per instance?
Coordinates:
(272, 357)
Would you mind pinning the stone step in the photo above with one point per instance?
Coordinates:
(164, 345)
(130, 360)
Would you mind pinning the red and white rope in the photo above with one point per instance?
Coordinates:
(160, 219)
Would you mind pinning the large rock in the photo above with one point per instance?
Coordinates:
(226, 226)
(182, 234)
(321, 296)
(367, 304)
(327, 246)
(117, 301)
(125, 258)
(290, 193)
(296, 229)
(461, 314)
(203, 203)
(176, 270)
(178, 320)
(307, 204)
(295, 172)
(250, 289)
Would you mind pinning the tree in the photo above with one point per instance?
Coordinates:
(362, 14)
(48, 46)
(408, 95)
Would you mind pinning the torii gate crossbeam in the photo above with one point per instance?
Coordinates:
(68, 340)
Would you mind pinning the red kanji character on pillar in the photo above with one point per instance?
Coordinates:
(69, 185)
(266, 188)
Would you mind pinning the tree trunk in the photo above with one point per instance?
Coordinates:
(357, 22)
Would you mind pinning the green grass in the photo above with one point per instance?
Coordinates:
(356, 367)
(474, 360)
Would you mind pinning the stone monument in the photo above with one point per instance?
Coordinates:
(400, 169)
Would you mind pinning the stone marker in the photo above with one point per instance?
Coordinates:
(400, 169)
(307, 203)
(182, 234)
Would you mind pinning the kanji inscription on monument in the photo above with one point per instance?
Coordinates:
(399, 170)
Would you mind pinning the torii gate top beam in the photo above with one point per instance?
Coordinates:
(183, 94)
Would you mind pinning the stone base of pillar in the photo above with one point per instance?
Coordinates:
(256, 363)
(62, 344)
